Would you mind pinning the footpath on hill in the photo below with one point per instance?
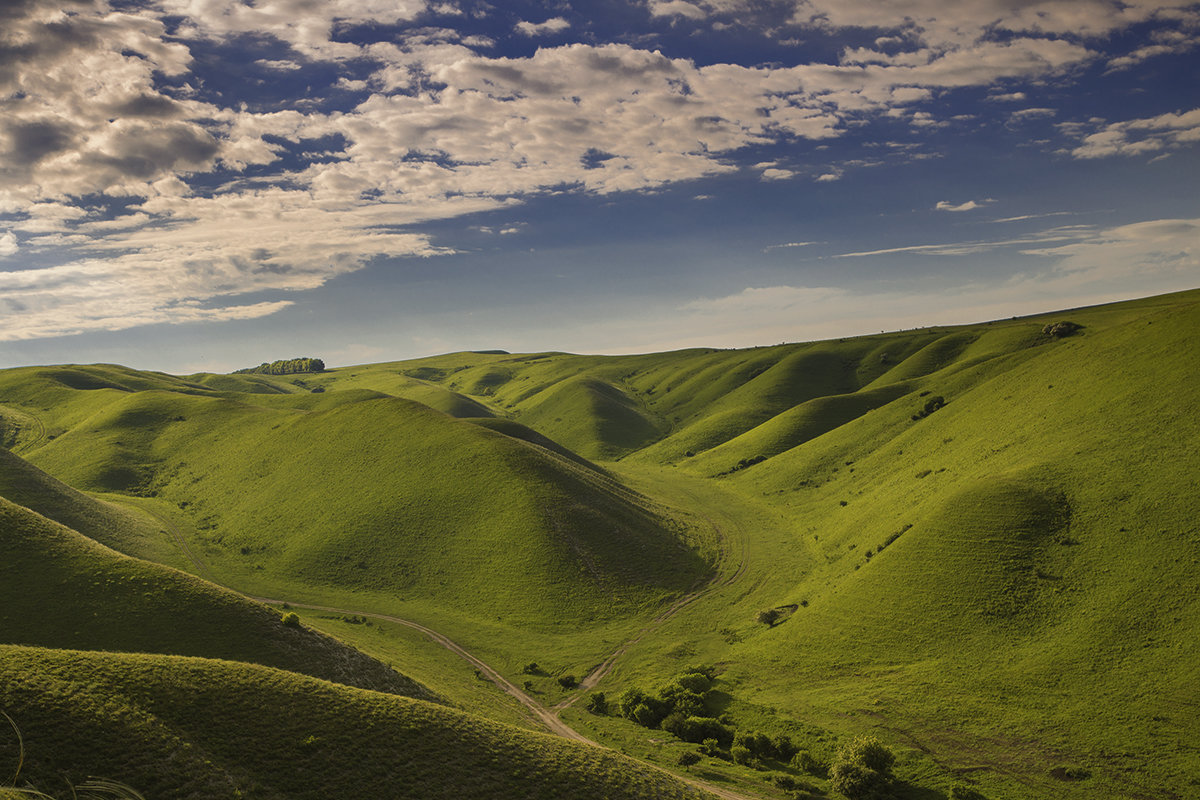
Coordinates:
(548, 716)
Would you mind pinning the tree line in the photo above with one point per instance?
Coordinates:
(290, 366)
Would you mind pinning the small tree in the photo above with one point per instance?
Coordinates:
(769, 616)
(863, 770)
(597, 703)
(568, 682)
(531, 668)
(291, 619)
(688, 758)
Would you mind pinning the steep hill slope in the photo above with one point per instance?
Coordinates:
(197, 728)
(61, 589)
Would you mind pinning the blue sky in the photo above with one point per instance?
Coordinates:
(195, 185)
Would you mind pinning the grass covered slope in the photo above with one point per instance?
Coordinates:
(360, 491)
(1003, 579)
(197, 728)
(61, 589)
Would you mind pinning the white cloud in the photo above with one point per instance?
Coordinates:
(1142, 136)
(676, 8)
(278, 65)
(785, 245)
(1069, 233)
(8, 244)
(550, 26)
(442, 131)
(946, 205)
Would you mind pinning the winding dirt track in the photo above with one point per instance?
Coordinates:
(548, 716)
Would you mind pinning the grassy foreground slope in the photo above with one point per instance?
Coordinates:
(61, 589)
(198, 728)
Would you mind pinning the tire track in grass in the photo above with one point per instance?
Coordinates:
(548, 716)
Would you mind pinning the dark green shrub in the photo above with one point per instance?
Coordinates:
(596, 703)
(870, 752)
(568, 682)
(532, 668)
(742, 755)
(784, 748)
(711, 748)
(856, 781)
(688, 758)
(629, 700)
(291, 619)
(769, 616)
(695, 682)
(676, 725)
(757, 743)
(863, 770)
(805, 762)
(647, 716)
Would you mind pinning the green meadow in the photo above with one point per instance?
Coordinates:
(977, 544)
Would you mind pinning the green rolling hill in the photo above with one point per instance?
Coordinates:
(982, 538)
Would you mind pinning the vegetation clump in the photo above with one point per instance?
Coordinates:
(1059, 330)
(863, 770)
(291, 366)
(931, 405)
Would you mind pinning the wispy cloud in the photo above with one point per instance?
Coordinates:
(1062, 234)
(769, 248)
(969, 205)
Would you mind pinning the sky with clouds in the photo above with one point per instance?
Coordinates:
(202, 185)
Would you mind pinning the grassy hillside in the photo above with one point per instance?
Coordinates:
(198, 728)
(982, 539)
(360, 491)
(61, 589)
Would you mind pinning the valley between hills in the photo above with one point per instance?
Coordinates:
(953, 562)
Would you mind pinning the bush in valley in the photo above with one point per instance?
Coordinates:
(291, 366)
(688, 758)
(532, 668)
(291, 619)
(698, 730)
(596, 703)
(568, 682)
(685, 697)
(863, 770)
(805, 762)
(742, 755)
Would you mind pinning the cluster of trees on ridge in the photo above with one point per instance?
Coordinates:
(291, 366)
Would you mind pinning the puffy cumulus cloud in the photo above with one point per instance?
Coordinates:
(8, 244)
(1141, 136)
(676, 8)
(941, 25)
(309, 26)
(552, 25)
(79, 110)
